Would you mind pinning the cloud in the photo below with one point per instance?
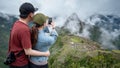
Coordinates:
(64, 8)
(107, 37)
(11, 7)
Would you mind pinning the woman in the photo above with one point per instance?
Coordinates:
(42, 40)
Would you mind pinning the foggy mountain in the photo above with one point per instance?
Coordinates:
(108, 22)
(6, 20)
(104, 29)
(108, 28)
(74, 24)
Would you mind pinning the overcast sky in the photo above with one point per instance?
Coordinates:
(63, 8)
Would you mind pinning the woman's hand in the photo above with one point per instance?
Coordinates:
(53, 25)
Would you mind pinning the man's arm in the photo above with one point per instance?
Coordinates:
(36, 53)
(26, 44)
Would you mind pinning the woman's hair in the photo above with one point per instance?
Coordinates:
(34, 33)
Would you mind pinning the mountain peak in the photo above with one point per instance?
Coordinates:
(73, 16)
(74, 24)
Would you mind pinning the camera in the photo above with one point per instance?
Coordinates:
(10, 58)
(50, 20)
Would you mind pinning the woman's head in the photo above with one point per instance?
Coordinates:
(40, 21)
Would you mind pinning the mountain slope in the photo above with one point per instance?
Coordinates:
(76, 52)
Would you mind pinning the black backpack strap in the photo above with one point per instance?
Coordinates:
(20, 53)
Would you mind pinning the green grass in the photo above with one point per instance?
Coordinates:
(76, 39)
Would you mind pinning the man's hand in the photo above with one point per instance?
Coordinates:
(47, 53)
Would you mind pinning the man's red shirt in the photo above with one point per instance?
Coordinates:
(20, 39)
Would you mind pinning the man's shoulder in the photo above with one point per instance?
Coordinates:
(21, 27)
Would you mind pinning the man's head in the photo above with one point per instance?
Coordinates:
(27, 10)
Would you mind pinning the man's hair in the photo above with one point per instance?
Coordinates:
(25, 9)
(24, 16)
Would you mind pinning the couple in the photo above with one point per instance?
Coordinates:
(33, 44)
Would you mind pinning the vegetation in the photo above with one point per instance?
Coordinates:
(75, 52)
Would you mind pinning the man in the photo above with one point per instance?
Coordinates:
(20, 39)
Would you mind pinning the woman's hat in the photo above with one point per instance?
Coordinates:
(40, 18)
